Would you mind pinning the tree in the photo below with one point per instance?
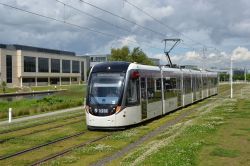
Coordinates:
(120, 54)
(224, 77)
(124, 54)
(248, 77)
(4, 86)
(137, 55)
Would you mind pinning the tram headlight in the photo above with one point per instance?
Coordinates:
(88, 109)
(118, 109)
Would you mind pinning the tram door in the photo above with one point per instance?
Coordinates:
(194, 87)
(143, 99)
(179, 92)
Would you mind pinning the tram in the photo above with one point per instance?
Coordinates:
(121, 94)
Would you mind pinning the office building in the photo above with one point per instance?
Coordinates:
(33, 66)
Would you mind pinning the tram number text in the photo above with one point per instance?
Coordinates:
(103, 111)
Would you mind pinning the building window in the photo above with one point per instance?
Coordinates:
(75, 67)
(65, 79)
(82, 71)
(29, 64)
(73, 79)
(66, 66)
(9, 68)
(55, 65)
(42, 80)
(54, 80)
(43, 65)
(100, 59)
(29, 81)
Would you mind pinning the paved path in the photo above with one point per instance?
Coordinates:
(42, 115)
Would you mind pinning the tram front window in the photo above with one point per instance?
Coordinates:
(106, 88)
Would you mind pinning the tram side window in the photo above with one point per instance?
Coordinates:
(199, 83)
(208, 82)
(158, 84)
(187, 85)
(215, 82)
(170, 87)
(204, 82)
(132, 92)
(152, 92)
(194, 85)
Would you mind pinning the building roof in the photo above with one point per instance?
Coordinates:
(35, 49)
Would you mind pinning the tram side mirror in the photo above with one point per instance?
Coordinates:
(135, 75)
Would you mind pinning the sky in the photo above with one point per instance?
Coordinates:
(211, 31)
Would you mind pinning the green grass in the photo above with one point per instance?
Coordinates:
(72, 97)
(209, 139)
(221, 152)
(36, 88)
(9, 90)
(40, 121)
(188, 143)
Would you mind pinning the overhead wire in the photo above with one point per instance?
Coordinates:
(123, 18)
(75, 25)
(129, 32)
(163, 24)
(118, 16)
(92, 16)
(83, 27)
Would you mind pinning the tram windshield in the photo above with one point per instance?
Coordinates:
(106, 88)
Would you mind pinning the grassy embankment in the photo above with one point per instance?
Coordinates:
(219, 136)
(61, 100)
(118, 140)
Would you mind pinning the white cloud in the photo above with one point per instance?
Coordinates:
(241, 54)
(128, 40)
(162, 57)
(161, 12)
(192, 56)
(209, 22)
(158, 11)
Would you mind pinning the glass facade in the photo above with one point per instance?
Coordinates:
(42, 79)
(82, 71)
(9, 68)
(43, 65)
(75, 67)
(55, 65)
(66, 66)
(54, 80)
(73, 79)
(65, 79)
(29, 64)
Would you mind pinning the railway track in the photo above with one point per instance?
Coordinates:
(61, 153)
(158, 130)
(70, 149)
(153, 133)
(41, 145)
(22, 128)
(38, 131)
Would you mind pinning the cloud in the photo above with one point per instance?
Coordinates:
(128, 40)
(241, 54)
(192, 56)
(213, 23)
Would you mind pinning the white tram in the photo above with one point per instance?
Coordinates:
(121, 94)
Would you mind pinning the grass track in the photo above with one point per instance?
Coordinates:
(212, 138)
(97, 150)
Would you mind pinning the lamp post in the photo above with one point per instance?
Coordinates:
(231, 76)
(245, 74)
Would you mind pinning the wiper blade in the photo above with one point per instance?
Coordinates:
(94, 99)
